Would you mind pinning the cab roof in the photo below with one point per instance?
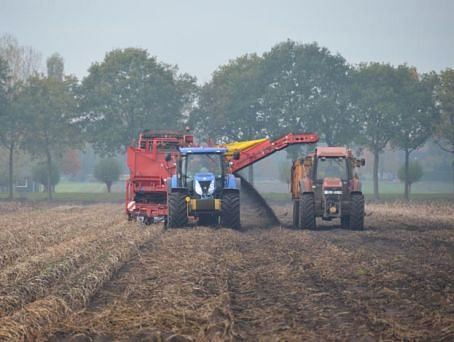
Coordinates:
(332, 152)
(202, 150)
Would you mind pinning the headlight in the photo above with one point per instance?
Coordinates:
(211, 188)
(332, 192)
(197, 188)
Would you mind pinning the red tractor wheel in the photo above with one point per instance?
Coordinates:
(307, 212)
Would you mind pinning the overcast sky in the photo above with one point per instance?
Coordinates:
(200, 35)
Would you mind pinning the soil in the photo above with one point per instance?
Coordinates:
(393, 281)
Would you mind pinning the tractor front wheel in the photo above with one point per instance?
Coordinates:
(357, 212)
(345, 222)
(307, 212)
(230, 210)
(177, 210)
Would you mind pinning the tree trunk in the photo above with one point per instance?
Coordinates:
(11, 172)
(251, 174)
(375, 174)
(382, 166)
(406, 182)
(109, 186)
(49, 175)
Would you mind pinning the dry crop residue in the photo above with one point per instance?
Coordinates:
(53, 260)
(393, 281)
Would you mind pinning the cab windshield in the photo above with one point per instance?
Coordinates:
(202, 163)
(332, 167)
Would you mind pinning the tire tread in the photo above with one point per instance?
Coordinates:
(177, 207)
(230, 213)
(307, 212)
(357, 212)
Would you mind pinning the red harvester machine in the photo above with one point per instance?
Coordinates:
(152, 162)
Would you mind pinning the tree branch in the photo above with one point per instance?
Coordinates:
(443, 147)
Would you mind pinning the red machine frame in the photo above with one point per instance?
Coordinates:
(152, 162)
(146, 188)
(267, 147)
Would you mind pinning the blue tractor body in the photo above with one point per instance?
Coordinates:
(204, 189)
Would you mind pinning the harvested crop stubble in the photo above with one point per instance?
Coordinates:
(416, 214)
(392, 281)
(8, 207)
(31, 283)
(177, 287)
(72, 238)
(29, 233)
(37, 298)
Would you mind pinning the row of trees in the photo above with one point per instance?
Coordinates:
(47, 114)
(304, 87)
(106, 170)
(293, 87)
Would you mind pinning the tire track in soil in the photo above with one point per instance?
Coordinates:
(281, 293)
(406, 289)
(399, 275)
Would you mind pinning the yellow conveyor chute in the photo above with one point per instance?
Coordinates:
(242, 146)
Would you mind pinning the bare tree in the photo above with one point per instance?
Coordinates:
(23, 62)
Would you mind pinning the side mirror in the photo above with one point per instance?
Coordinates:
(168, 157)
(363, 162)
(236, 155)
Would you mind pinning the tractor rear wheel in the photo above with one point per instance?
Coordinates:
(357, 212)
(296, 213)
(177, 207)
(307, 212)
(230, 210)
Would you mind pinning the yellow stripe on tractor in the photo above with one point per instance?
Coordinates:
(204, 205)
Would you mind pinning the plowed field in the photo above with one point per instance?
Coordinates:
(83, 273)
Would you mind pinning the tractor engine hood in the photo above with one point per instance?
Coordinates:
(332, 183)
(204, 184)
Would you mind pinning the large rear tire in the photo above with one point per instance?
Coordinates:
(345, 222)
(357, 212)
(177, 208)
(230, 210)
(296, 213)
(307, 212)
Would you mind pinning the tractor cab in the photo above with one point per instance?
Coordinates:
(202, 171)
(332, 167)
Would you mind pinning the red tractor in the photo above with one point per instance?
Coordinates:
(150, 164)
(324, 184)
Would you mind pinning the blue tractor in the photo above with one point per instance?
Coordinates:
(203, 189)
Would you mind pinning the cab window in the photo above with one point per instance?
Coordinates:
(332, 167)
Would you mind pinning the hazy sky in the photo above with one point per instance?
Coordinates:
(200, 35)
